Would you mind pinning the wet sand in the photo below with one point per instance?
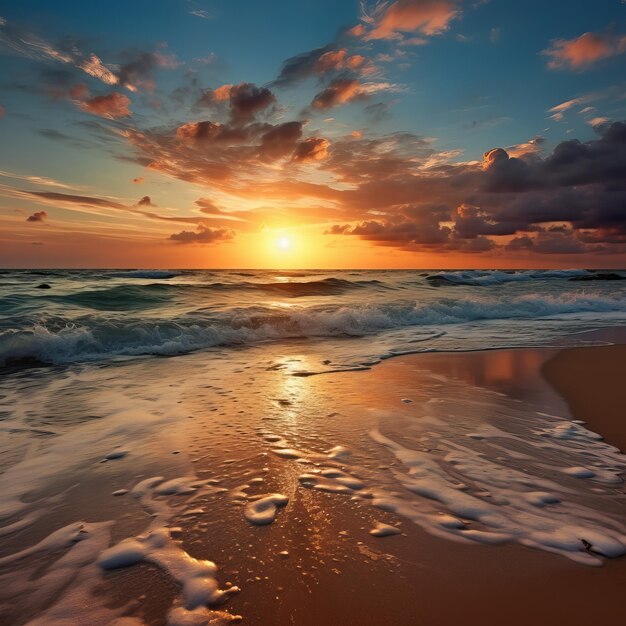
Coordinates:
(334, 571)
(416, 578)
(592, 382)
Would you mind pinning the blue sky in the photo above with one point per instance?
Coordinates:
(462, 77)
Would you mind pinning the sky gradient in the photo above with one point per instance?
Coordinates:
(318, 133)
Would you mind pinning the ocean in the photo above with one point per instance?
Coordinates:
(348, 317)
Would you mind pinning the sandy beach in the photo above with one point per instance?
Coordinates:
(317, 562)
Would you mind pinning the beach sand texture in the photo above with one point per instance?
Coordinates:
(259, 498)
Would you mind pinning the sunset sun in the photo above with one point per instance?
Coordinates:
(283, 243)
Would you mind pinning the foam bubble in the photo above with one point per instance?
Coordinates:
(263, 511)
(384, 530)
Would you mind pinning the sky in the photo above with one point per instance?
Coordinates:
(316, 133)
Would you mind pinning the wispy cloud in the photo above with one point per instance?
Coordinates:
(584, 51)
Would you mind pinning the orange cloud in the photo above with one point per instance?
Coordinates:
(582, 52)
(428, 17)
(340, 91)
(112, 106)
(337, 60)
(356, 31)
(222, 93)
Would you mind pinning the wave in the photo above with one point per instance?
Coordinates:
(495, 277)
(134, 297)
(119, 298)
(145, 274)
(96, 338)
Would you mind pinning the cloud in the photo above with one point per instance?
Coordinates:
(311, 149)
(246, 100)
(559, 110)
(36, 180)
(327, 61)
(301, 66)
(340, 91)
(145, 201)
(94, 67)
(598, 121)
(427, 17)
(582, 52)
(579, 184)
(112, 106)
(203, 235)
(548, 243)
(135, 70)
(101, 206)
(201, 13)
(208, 206)
(280, 141)
(527, 149)
(39, 216)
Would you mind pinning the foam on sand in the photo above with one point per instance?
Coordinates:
(384, 530)
(481, 483)
(199, 587)
(158, 545)
(263, 511)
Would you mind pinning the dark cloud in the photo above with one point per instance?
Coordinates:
(39, 216)
(145, 201)
(301, 66)
(245, 100)
(311, 149)
(203, 235)
(548, 243)
(280, 141)
(74, 199)
(580, 184)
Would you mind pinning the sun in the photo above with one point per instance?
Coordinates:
(283, 243)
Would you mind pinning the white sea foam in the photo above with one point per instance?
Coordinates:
(263, 511)
(496, 277)
(384, 530)
(101, 338)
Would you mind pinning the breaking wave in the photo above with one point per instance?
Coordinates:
(100, 337)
